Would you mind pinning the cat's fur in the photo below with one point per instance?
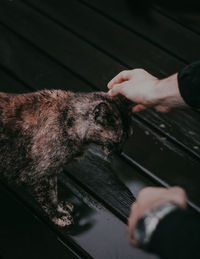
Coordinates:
(41, 132)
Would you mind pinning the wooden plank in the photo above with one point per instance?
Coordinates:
(168, 151)
(157, 28)
(106, 179)
(24, 236)
(32, 68)
(180, 125)
(122, 52)
(71, 56)
(187, 18)
(106, 234)
(94, 226)
(10, 85)
(133, 50)
(97, 175)
(164, 160)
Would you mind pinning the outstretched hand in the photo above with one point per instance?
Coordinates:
(146, 90)
(148, 199)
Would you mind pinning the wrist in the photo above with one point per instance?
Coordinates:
(148, 223)
(168, 94)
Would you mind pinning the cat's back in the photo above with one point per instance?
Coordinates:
(25, 106)
(28, 122)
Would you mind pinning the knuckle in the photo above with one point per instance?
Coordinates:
(124, 73)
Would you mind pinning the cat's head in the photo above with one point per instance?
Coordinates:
(109, 121)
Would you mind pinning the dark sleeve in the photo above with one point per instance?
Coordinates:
(189, 84)
(177, 236)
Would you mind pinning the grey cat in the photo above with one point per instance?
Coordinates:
(41, 132)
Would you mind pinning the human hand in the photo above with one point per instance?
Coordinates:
(146, 90)
(152, 197)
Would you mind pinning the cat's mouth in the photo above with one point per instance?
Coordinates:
(109, 149)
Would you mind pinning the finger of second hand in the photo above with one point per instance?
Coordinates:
(132, 221)
(138, 108)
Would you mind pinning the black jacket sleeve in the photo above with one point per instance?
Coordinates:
(177, 236)
(189, 84)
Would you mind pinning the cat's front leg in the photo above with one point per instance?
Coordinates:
(45, 192)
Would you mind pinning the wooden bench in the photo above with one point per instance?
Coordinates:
(80, 45)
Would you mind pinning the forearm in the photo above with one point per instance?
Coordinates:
(168, 92)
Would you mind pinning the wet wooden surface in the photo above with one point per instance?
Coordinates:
(79, 46)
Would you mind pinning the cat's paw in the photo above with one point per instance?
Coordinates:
(65, 207)
(63, 217)
(63, 221)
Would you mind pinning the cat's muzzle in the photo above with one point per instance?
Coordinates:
(109, 149)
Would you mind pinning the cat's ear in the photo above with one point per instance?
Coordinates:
(100, 113)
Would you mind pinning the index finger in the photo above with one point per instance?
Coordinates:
(121, 77)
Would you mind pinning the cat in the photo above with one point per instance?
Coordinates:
(41, 132)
